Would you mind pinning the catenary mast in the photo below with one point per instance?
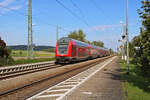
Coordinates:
(30, 38)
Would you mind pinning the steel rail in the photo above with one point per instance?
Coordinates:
(14, 74)
(13, 71)
(50, 77)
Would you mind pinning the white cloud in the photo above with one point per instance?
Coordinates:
(6, 2)
(16, 7)
(103, 27)
(5, 6)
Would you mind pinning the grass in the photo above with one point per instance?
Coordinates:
(43, 54)
(23, 53)
(20, 57)
(136, 86)
(26, 61)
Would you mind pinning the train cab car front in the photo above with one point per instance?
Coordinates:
(63, 60)
(63, 50)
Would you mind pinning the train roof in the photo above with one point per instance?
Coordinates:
(66, 40)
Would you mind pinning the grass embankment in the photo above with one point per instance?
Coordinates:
(20, 57)
(27, 61)
(23, 53)
(136, 86)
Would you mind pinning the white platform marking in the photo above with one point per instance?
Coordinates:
(46, 96)
(89, 93)
(60, 98)
(57, 90)
(71, 82)
(64, 86)
(79, 79)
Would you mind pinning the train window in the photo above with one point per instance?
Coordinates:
(62, 49)
(63, 41)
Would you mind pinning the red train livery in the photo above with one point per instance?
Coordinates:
(69, 50)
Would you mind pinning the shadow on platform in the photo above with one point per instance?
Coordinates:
(135, 78)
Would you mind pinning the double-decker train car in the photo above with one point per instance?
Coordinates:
(70, 50)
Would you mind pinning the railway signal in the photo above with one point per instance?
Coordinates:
(122, 40)
(56, 33)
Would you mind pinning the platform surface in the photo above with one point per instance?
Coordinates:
(104, 85)
(100, 82)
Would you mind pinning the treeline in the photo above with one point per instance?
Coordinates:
(139, 47)
(79, 35)
(36, 48)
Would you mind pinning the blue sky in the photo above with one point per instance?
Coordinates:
(103, 18)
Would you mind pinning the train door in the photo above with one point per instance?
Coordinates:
(74, 53)
(77, 54)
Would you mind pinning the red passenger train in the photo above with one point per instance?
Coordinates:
(69, 50)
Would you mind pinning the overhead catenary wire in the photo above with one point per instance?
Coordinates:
(25, 15)
(99, 9)
(96, 6)
(80, 11)
(53, 25)
(72, 13)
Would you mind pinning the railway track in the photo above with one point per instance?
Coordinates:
(68, 72)
(13, 71)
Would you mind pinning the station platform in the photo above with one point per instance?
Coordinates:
(104, 85)
(101, 82)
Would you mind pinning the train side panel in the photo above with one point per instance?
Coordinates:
(68, 50)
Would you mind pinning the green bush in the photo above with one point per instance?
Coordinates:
(142, 57)
(6, 61)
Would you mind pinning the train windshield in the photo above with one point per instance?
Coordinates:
(62, 49)
(63, 45)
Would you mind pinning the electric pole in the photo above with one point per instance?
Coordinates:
(123, 38)
(127, 38)
(56, 33)
(30, 38)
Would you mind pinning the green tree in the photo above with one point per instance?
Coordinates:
(81, 36)
(73, 35)
(20, 53)
(88, 42)
(136, 43)
(78, 35)
(111, 51)
(131, 49)
(144, 42)
(5, 54)
(98, 43)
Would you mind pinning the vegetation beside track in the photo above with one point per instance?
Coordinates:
(23, 53)
(19, 57)
(139, 47)
(27, 61)
(135, 85)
